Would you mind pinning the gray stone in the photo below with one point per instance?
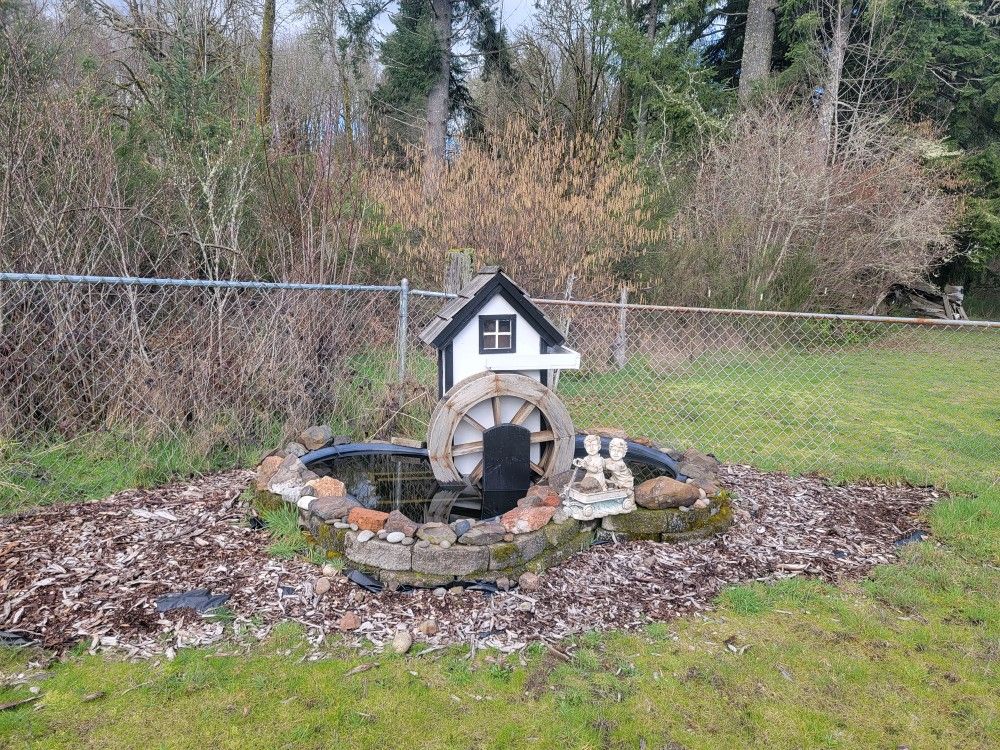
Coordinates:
(440, 592)
(505, 584)
(316, 437)
(559, 481)
(459, 560)
(395, 537)
(402, 641)
(292, 494)
(365, 535)
(423, 544)
(341, 525)
(321, 586)
(461, 526)
(429, 627)
(510, 554)
(529, 582)
(698, 465)
(399, 521)
(382, 534)
(296, 449)
(445, 544)
(377, 554)
(560, 534)
(332, 508)
(435, 533)
(483, 533)
(407, 541)
(290, 473)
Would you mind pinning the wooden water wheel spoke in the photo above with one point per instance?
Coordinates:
(474, 423)
(539, 410)
(465, 449)
(523, 412)
(542, 436)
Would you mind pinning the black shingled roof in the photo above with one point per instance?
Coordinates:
(484, 285)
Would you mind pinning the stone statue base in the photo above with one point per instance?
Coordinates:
(584, 506)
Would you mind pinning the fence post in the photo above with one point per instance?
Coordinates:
(402, 335)
(621, 339)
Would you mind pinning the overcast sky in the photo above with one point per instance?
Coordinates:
(514, 14)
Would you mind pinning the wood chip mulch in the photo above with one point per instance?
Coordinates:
(93, 571)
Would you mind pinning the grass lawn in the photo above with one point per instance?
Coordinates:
(910, 657)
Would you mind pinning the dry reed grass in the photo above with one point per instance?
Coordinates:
(544, 209)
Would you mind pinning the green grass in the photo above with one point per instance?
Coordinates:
(909, 657)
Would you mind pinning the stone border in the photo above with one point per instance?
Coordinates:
(530, 538)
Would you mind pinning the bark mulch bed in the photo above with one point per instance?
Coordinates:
(93, 571)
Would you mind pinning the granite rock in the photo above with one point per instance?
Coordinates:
(349, 621)
(663, 492)
(266, 471)
(460, 560)
(435, 533)
(525, 520)
(399, 521)
(327, 487)
(377, 554)
(333, 508)
(316, 437)
(525, 547)
(296, 449)
(483, 533)
(540, 495)
(529, 582)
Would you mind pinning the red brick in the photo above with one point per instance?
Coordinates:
(373, 520)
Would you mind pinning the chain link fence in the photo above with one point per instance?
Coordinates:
(108, 383)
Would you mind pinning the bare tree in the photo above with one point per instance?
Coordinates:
(758, 45)
(436, 131)
(266, 64)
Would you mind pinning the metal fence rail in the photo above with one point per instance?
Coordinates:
(160, 376)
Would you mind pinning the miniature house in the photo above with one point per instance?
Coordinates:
(492, 325)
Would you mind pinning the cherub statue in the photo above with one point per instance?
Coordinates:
(592, 464)
(621, 475)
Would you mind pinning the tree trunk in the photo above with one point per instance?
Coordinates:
(436, 132)
(266, 64)
(758, 43)
(837, 49)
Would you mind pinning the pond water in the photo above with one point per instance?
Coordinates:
(406, 483)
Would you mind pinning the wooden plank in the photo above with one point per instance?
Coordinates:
(466, 449)
(473, 423)
(496, 410)
(522, 413)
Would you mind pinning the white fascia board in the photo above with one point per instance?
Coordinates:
(560, 358)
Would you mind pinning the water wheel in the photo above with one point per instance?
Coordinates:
(488, 399)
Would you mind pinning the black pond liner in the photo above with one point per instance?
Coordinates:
(374, 586)
(13, 639)
(256, 523)
(912, 538)
(637, 454)
(200, 600)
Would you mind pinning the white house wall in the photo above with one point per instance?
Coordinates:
(466, 359)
